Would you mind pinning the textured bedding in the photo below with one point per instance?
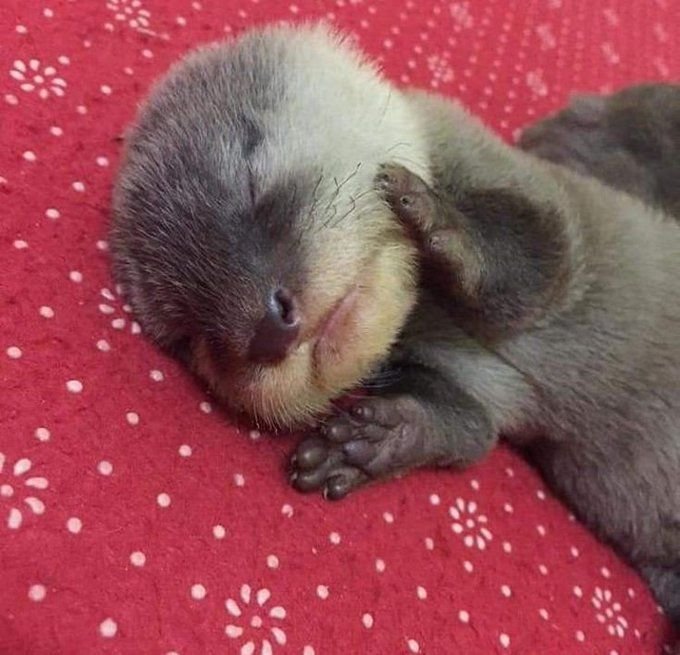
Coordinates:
(135, 518)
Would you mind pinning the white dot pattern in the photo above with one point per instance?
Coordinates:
(74, 386)
(219, 532)
(74, 525)
(138, 558)
(163, 500)
(105, 467)
(42, 434)
(322, 592)
(37, 593)
(198, 592)
(14, 352)
(131, 502)
(108, 628)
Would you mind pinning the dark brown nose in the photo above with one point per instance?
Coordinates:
(278, 329)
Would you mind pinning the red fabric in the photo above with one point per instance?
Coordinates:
(130, 510)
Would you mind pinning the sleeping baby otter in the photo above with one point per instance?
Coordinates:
(291, 226)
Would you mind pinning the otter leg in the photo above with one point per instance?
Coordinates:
(502, 257)
(423, 420)
(439, 228)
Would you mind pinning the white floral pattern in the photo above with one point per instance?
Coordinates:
(132, 13)
(546, 36)
(469, 524)
(661, 67)
(661, 33)
(13, 483)
(119, 321)
(536, 83)
(460, 12)
(34, 76)
(611, 16)
(253, 623)
(126, 440)
(440, 67)
(610, 54)
(608, 612)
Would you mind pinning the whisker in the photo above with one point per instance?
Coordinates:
(350, 211)
(354, 205)
(387, 104)
(330, 218)
(309, 219)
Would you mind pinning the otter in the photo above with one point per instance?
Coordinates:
(292, 226)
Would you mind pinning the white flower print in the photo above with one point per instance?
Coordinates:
(253, 623)
(132, 13)
(108, 308)
(661, 67)
(536, 83)
(469, 524)
(661, 33)
(610, 54)
(546, 36)
(460, 12)
(33, 76)
(609, 613)
(13, 483)
(440, 68)
(611, 17)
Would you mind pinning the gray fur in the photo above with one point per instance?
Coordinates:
(574, 357)
(629, 140)
(599, 372)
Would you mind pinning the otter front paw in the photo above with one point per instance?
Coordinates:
(440, 230)
(409, 197)
(381, 436)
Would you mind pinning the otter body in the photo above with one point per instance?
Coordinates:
(262, 238)
(570, 290)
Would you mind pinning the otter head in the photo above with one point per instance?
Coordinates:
(247, 232)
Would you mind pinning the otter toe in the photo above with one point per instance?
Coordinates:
(409, 197)
(380, 437)
(310, 454)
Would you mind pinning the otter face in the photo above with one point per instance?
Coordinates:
(247, 232)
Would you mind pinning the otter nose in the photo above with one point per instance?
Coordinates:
(277, 330)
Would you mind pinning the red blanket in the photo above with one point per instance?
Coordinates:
(133, 517)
